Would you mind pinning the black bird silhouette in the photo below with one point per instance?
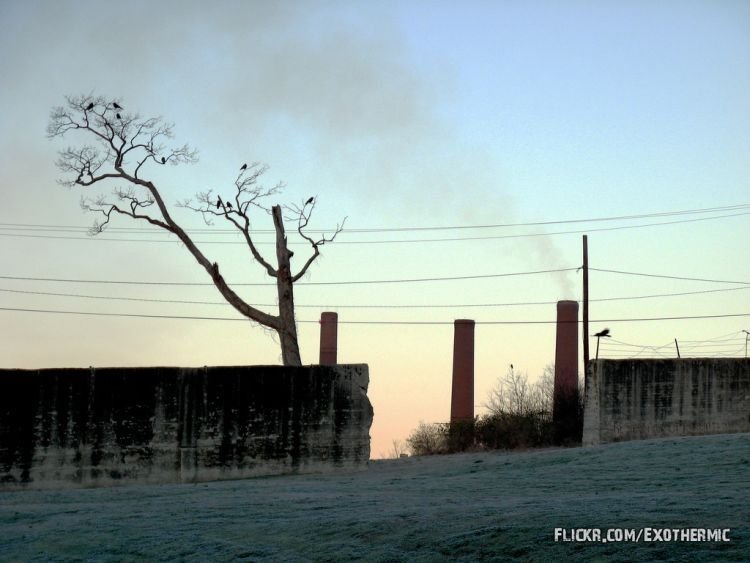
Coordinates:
(116, 105)
(90, 106)
(229, 205)
(117, 115)
(218, 202)
(163, 160)
(243, 167)
(309, 201)
(605, 332)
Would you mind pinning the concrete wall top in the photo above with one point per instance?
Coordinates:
(105, 426)
(647, 398)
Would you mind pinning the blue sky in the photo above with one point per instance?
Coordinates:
(395, 114)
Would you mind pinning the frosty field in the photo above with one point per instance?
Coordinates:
(465, 507)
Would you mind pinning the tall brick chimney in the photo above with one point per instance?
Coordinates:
(565, 402)
(328, 338)
(462, 396)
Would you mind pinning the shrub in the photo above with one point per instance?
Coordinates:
(428, 439)
(514, 430)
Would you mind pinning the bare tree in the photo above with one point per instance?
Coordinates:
(124, 146)
(513, 394)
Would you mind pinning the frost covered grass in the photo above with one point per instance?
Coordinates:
(463, 507)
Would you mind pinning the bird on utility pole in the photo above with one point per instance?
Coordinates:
(598, 335)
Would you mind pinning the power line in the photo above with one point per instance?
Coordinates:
(379, 306)
(666, 277)
(350, 282)
(416, 323)
(678, 294)
(31, 226)
(386, 241)
(402, 280)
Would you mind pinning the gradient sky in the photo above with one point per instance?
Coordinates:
(396, 115)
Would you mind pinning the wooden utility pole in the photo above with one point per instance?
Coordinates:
(585, 305)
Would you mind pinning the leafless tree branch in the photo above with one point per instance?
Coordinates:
(124, 146)
(302, 216)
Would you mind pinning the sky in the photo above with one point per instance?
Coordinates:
(396, 116)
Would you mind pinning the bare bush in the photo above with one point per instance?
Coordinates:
(428, 439)
(513, 393)
(520, 413)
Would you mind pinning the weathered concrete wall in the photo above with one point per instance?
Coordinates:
(637, 399)
(98, 427)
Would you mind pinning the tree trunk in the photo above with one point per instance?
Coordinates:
(287, 328)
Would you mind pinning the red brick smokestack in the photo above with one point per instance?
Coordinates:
(462, 397)
(328, 338)
(565, 401)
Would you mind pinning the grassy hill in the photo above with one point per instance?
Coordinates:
(465, 507)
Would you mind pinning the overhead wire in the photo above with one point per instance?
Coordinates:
(341, 241)
(32, 226)
(663, 276)
(368, 322)
(301, 282)
(367, 306)
(383, 281)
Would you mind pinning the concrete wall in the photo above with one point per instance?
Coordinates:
(637, 399)
(98, 427)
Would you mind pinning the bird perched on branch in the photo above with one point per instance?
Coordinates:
(116, 105)
(163, 160)
(219, 203)
(229, 205)
(117, 115)
(605, 332)
(243, 167)
(309, 201)
(90, 106)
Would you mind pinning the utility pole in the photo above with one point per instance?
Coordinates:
(585, 306)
